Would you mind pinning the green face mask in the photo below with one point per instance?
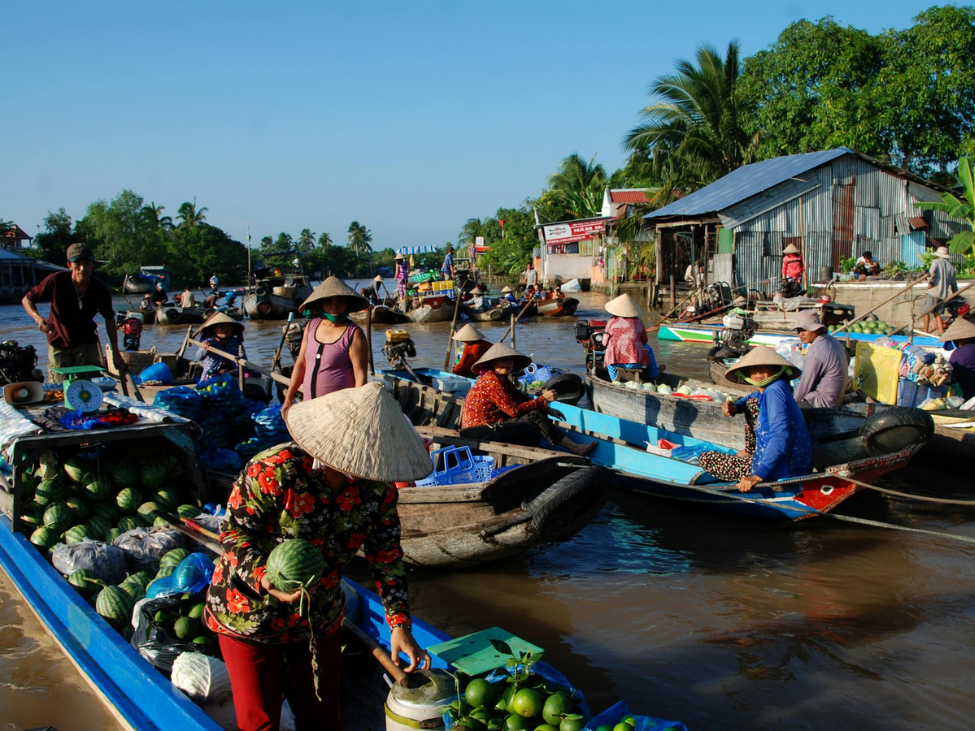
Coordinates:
(335, 318)
(765, 381)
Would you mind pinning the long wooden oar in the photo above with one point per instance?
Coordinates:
(453, 327)
(244, 362)
(284, 336)
(932, 309)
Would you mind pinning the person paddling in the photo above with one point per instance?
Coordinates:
(223, 333)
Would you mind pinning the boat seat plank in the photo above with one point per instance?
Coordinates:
(441, 494)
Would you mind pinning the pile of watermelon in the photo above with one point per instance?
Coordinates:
(868, 327)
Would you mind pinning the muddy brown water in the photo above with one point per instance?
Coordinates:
(822, 625)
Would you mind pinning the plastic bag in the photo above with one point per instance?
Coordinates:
(201, 677)
(153, 642)
(106, 562)
(691, 454)
(613, 715)
(143, 547)
(221, 460)
(181, 400)
(242, 424)
(270, 427)
(192, 575)
(212, 523)
(214, 428)
(156, 372)
(222, 394)
(247, 449)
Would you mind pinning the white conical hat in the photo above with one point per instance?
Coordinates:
(623, 306)
(219, 318)
(362, 433)
(791, 249)
(378, 278)
(506, 288)
(477, 290)
(499, 351)
(399, 257)
(335, 287)
(960, 329)
(468, 334)
(762, 355)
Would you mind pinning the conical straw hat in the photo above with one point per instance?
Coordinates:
(498, 351)
(220, 318)
(477, 290)
(378, 278)
(360, 432)
(468, 334)
(399, 257)
(960, 329)
(506, 288)
(791, 249)
(761, 355)
(335, 287)
(623, 306)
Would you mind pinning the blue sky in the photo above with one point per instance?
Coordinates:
(410, 117)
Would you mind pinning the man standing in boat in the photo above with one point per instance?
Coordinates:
(75, 297)
(531, 277)
(447, 268)
(826, 366)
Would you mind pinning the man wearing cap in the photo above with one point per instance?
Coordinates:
(944, 282)
(75, 297)
(826, 365)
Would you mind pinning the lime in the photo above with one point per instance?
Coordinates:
(515, 722)
(479, 693)
(605, 727)
(526, 703)
(622, 727)
(629, 719)
(572, 724)
(547, 727)
(555, 707)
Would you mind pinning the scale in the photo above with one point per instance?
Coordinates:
(80, 393)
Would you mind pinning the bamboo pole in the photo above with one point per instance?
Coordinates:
(898, 293)
(240, 367)
(372, 367)
(932, 309)
(512, 328)
(523, 309)
(276, 361)
(453, 328)
(246, 363)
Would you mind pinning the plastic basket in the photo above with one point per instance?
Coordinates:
(459, 467)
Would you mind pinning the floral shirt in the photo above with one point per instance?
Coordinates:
(280, 496)
(493, 399)
(213, 364)
(627, 336)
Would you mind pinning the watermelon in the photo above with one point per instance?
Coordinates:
(188, 511)
(75, 469)
(133, 588)
(98, 527)
(105, 510)
(32, 515)
(79, 509)
(167, 497)
(295, 564)
(165, 571)
(44, 538)
(76, 534)
(174, 557)
(147, 511)
(143, 577)
(99, 489)
(128, 500)
(28, 483)
(161, 522)
(58, 516)
(123, 473)
(84, 582)
(129, 522)
(111, 534)
(115, 606)
(48, 491)
(152, 475)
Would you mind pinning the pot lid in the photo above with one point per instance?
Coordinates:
(425, 688)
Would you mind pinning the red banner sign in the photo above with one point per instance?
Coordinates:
(566, 233)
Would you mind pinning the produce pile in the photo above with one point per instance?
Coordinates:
(868, 327)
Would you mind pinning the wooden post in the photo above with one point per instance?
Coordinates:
(513, 333)
(673, 292)
(453, 327)
(802, 245)
(240, 367)
(372, 367)
(704, 262)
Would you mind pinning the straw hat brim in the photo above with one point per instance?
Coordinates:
(361, 432)
(335, 287)
(791, 249)
(220, 318)
(399, 257)
(623, 306)
(761, 355)
(497, 352)
(468, 334)
(477, 290)
(960, 329)
(946, 255)
(506, 289)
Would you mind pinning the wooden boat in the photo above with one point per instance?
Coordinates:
(558, 307)
(381, 315)
(438, 308)
(145, 281)
(492, 315)
(172, 315)
(705, 333)
(274, 296)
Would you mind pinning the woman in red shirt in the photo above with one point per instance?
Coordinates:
(627, 347)
(494, 401)
(792, 267)
(472, 345)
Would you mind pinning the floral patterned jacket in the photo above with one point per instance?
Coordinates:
(279, 496)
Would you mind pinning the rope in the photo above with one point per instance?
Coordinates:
(909, 496)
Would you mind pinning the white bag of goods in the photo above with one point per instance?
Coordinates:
(222, 713)
(144, 547)
(106, 562)
(201, 677)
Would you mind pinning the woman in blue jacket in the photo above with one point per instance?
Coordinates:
(777, 444)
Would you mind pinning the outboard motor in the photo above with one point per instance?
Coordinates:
(398, 348)
(18, 363)
(732, 342)
(132, 331)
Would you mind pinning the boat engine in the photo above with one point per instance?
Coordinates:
(732, 340)
(18, 363)
(132, 331)
(398, 347)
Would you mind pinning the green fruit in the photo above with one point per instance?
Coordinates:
(514, 722)
(161, 522)
(188, 511)
(147, 511)
(204, 640)
(186, 628)
(160, 617)
(129, 522)
(479, 693)
(84, 582)
(133, 588)
(128, 500)
(527, 703)
(76, 534)
(622, 727)
(75, 469)
(105, 510)
(152, 475)
(98, 527)
(79, 508)
(174, 557)
(99, 489)
(167, 497)
(555, 707)
(48, 491)
(58, 516)
(196, 611)
(32, 515)
(142, 577)
(572, 724)
(123, 473)
(165, 571)
(115, 606)
(547, 727)
(111, 534)
(295, 564)
(604, 727)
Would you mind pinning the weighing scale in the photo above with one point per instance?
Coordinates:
(80, 393)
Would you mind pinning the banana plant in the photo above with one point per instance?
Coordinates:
(957, 208)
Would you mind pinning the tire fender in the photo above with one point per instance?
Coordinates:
(896, 429)
(566, 507)
(569, 387)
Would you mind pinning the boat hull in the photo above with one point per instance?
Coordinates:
(492, 315)
(167, 315)
(381, 315)
(562, 307)
(269, 306)
(706, 334)
(434, 309)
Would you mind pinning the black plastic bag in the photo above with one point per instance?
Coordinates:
(154, 643)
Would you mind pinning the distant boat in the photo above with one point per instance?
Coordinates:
(145, 281)
(276, 297)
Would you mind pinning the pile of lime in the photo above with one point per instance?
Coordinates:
(527, 705)
(184, 621)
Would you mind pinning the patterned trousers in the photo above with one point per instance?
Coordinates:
(728, 467)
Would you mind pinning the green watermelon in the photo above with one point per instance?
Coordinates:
(128, 500)
(152, 475)
(44, 538)
(84, 581)
(99, 489)
(143, 577)
(75, 469)
(28, 483)
(188, 511)
(123, 473)
(79, 509)
(32, 515)
(76, 534)
(98, 527)
(49, 491)
(161, 522)
(174, 557)
(165, 571)
(147, 511)
(167, 497)
(133, 588)
(294, 564)
(129, 522)
(111, 534)
(106, 510)
(58, 516)
(115, 606)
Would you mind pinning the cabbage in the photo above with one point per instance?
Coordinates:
(201, 677)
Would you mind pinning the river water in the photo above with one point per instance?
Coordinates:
(822, 625)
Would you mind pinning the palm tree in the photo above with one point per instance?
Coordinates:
(470, 232)
(324, 241)
(580, 185)
(694, 132)
(959, 208)
(266, 245)
(306, 240)
(359, 239)
(190, 216)
(154, 214)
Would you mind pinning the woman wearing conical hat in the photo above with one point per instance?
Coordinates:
(962, 333)
(494, 403)
(224, 333)
(472, 346)
(333, 351)
(792, 267)
(777, 444)
(508, 295)
(402, 277)
(627, 347)
(331, 487)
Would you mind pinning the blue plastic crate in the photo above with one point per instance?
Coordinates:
(459, 467)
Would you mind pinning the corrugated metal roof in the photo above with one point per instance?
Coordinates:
(628, 195)
(747, 181)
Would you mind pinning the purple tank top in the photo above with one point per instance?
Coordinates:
(328, 366)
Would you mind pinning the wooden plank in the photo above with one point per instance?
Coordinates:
(450, 436)
(441, 494)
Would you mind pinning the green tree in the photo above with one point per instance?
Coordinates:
(199, 251)
(470, 231)
(509, 255)
(283, 242)
(306, 241)
(580, 185)
(360, 240)
(52, 243)
(324, 240)
(956, 207)
(189, 215)
(121, 235)
(154, 215)
(266, 245)
(694, 131)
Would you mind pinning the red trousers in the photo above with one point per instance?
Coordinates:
(257, 680)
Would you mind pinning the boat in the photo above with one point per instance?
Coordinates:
(492, 315)
(274, 292)
(145, 281)
(381, 315)
(702, 333)
(557, 307)
(432, 308)
(170, 314)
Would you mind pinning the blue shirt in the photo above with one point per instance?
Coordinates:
(962, 361)
(448, 262)
(214, 364)
(783, 447)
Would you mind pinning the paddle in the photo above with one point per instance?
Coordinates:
(244, 362)
(284, 336)
(453, 327)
